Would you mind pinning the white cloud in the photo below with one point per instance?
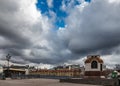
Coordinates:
(50, 3)
(25, 23)
(94, 29)
(114, 1)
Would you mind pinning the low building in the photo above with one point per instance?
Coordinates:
(69, 70)
(15, 70)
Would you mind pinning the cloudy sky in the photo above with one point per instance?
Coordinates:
(55, 32)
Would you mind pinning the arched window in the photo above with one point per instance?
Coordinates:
(94, 64)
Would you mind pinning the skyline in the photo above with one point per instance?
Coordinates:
(54, 32)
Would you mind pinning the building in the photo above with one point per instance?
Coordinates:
(70, 70)
(94, 66)
(1, 69)
(15, 70)
(117, 67)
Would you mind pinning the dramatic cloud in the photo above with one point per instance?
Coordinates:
(22, 28)
(32, 38)
(94, 29)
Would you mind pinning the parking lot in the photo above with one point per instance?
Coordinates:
(37, 82)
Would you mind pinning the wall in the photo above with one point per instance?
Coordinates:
(60, 72)
(88, 67)
(108, 82)
(1, 69)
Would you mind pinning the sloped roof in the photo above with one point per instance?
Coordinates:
(91, 58)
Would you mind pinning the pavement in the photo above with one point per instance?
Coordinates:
(37, 82)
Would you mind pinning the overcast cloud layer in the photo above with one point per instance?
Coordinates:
(29, 36)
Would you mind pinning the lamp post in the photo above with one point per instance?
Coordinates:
(8, 57)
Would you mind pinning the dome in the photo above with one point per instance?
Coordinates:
(95, 57)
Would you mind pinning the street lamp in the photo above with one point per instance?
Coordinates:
(8, 57)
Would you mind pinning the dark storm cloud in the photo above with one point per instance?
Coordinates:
(94, 30)
(12, 35)
(15, 52)
(15, 42)
(53, 60)
(12, 39)
(8, 31)
(11, 6)
(18, 62)
(40, 47)
(99, 28)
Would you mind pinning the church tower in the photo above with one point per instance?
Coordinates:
(93, 66)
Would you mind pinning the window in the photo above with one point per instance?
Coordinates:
(94, 64)
(101, 67)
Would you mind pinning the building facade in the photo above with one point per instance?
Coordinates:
(71, 71)
(94, 66)
(15, 70)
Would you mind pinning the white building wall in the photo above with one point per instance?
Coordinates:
(26, 71)
(1, 69)
(88, 67)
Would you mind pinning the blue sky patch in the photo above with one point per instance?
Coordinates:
(44, 8)
(88, 0)
(42, 5)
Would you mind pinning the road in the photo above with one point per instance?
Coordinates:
(37, 82)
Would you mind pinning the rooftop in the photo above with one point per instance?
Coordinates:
(90, 58)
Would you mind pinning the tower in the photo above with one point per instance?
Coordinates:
(93, 66)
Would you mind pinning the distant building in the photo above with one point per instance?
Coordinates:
(73, 67)
(69, 70)
(94, 66)
(117, 67)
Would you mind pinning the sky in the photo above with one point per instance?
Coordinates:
(46, 33)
